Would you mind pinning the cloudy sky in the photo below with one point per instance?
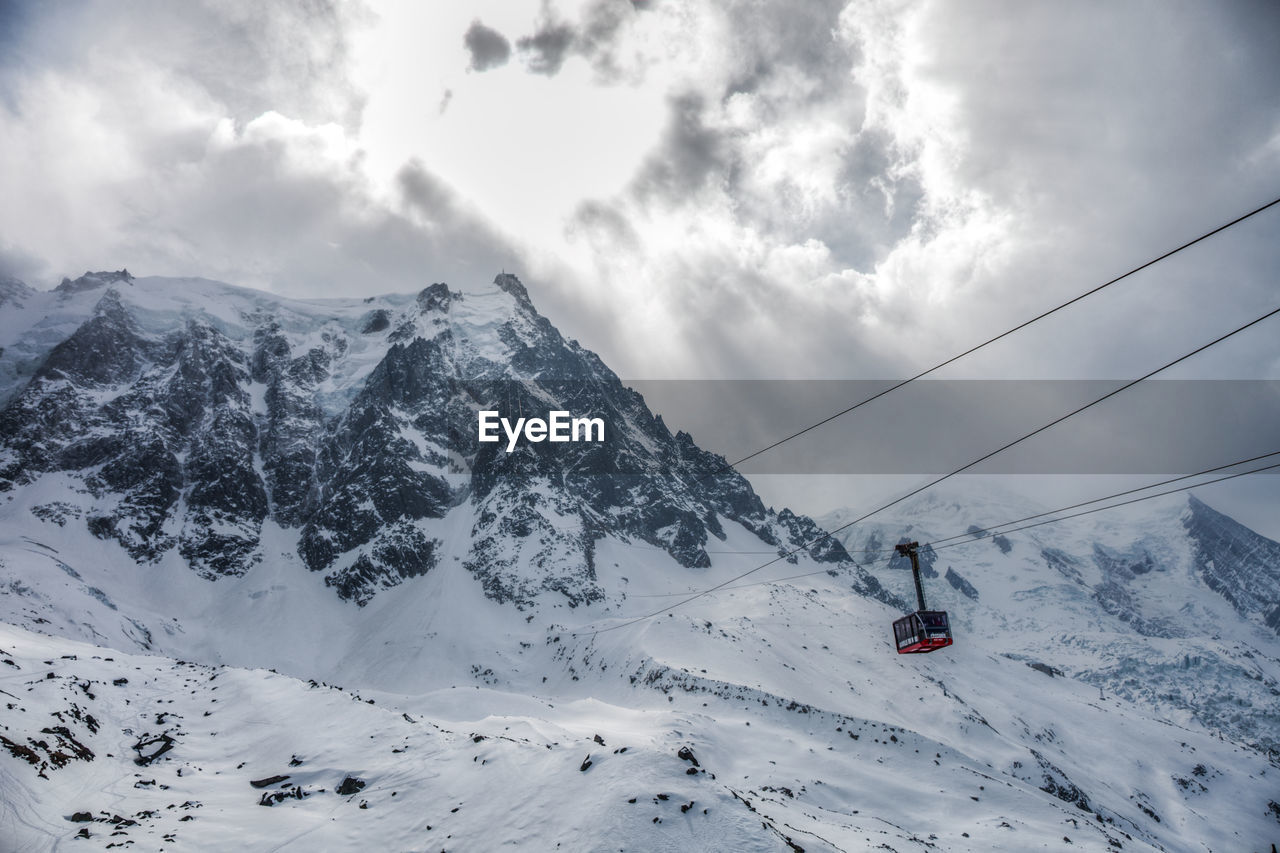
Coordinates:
(764, 190)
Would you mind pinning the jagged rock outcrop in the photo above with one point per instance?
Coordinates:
(93, 280)
(960, 584)
(355, 427)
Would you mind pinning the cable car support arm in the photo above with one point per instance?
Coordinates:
(910, 549)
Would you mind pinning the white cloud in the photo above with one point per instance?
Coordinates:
(748, 189)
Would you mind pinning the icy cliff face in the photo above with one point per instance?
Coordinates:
(1235, 562)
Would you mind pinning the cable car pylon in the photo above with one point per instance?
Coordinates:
(925, 630)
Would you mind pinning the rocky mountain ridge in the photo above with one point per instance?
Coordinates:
(190, 432)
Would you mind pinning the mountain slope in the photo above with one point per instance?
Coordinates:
(1240, 565)
(804, 732)
(204, 484)
(1168, 604)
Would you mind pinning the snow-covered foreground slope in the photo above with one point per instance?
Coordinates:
(121, 750)
(804, 724)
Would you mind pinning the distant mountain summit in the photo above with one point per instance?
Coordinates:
(186, 414)
(94, 280)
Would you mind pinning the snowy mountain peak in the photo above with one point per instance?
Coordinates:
(437, 297)
(94, 280)
(509, 283)
(199, 416)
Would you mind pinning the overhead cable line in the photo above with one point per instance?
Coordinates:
(961, 469)
(730, 465)
(1123, 503)
(999, 527)
(1005, 529)
(869, 551)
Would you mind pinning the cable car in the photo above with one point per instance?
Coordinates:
(925, 630)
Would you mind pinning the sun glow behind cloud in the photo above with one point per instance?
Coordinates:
(524, 148)
(684, 186)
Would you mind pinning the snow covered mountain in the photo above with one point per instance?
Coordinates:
(1174, 604)
(189, 415)
(220, 504)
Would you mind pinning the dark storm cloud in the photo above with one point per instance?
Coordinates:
(689, 154)
(547, 49)
(773, 37)
(602, 29)
(291, 56)
(768, 37)
(255, 216)
(15, 263)
(604, 224)
(14, 17)
(791, 72)
(789, 65)
(1120, 145)
(488, 47)
(883, 202)
(460, 239)
(1063, 150)
(597, 37)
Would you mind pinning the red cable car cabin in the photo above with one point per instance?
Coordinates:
(925, 630)
(922, 631)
